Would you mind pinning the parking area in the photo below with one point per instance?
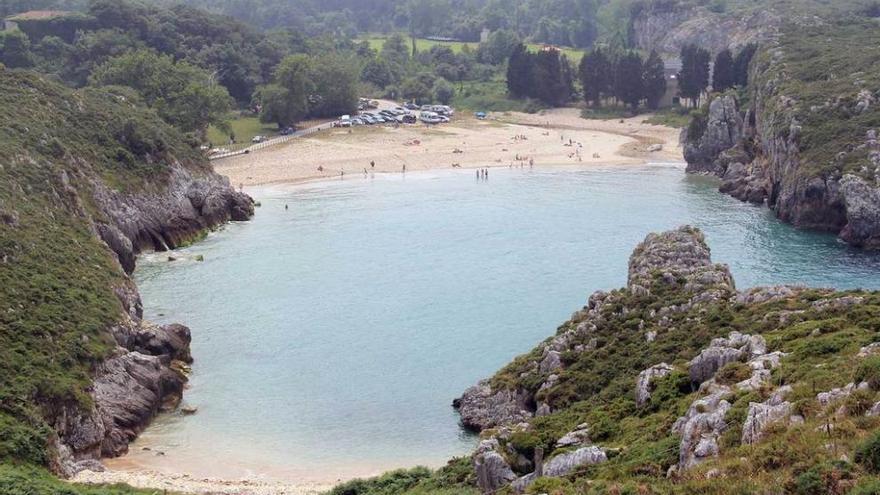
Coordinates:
(375, 112)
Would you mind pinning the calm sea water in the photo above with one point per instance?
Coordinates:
(331, 338)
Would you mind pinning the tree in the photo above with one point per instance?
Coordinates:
(498, 47)
(378, 71)
(182, 94)
(520, 73)
(334, 83)
(654, 77)
(15, 49)
(723, 76)
(415, 89)
(286, 100)
(552, 77)
(443, 91)
(595, 74)
(741, 64)
(694, 76)
(629, 87)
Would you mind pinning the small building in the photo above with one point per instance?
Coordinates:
(672, 66)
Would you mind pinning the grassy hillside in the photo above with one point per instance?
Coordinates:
(817, 76)
(56, 277)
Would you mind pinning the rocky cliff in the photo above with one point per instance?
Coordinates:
(87, 181)
(668, 25)
(804, 145)
(684, 384)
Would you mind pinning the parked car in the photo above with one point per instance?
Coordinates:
(443, 119)
(429, 117)
(407, 119)
(373, 104)
(259, 139)
(287, 131)
(410, 106)
(480, 115)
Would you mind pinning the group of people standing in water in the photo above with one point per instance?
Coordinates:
(482, 173)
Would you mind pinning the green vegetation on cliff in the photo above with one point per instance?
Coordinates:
(824, 79)
(56, 277)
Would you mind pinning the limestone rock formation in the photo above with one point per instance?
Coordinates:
(721, 351)
(723, 131)
(700, 428)
(480, 407)
(763, 414)
(643, 384)
(566, 463)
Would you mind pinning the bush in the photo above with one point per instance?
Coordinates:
(732, 373)
(869, 371)
(868, 453)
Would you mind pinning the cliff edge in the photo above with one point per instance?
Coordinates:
(88, 179)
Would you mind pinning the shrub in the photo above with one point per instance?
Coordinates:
(868, 453)
(734, 372)
(869, 371)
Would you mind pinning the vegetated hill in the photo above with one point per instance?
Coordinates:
(87, 180)
(803, 137)
(679, 383)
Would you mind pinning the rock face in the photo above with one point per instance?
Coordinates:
(143, 375)
(758, 163)
(492, 470)
(188, 204)
(668, 25)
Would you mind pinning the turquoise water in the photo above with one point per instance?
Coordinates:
(331, 338)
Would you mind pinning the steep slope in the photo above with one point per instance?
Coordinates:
(667, 25)
(804, 138)
(679, 383)
(87, 180)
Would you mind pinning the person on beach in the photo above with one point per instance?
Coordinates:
(372, 164)
(404, 168)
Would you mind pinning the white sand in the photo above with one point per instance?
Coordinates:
(556, 137)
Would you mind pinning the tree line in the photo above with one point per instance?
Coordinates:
(623, 77)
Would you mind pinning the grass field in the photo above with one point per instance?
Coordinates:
(244, 128)
(376, 42)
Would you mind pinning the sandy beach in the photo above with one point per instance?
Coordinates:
(554, 137)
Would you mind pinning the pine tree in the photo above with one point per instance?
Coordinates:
(595, 75)
(629, 86)
(741, 64)
(520, 75)
(552, 77)
(694, 76)
(654, 76)
(723, 77)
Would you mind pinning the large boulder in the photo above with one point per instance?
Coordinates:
(481, 407)
(493, 471)
(643, 383)
(735, 347)
(564, 464)
(700, 428)
(763, 414)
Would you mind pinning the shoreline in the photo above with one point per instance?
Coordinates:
(550, 138)
(617, 143)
